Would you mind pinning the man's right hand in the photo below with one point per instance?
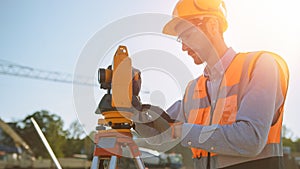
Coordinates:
(154, 117)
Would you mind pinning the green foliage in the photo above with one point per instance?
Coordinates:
(64, 143)
(89, 145)
(74, 143)
(5, 139)
(75, 130)
(52, 127)
(297, 143)
(73, 146)
(287, 142)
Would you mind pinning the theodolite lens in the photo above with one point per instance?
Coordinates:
(105, 77)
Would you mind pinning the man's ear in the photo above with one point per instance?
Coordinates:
(212, 27)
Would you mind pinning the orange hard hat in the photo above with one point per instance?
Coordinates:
(189, 9)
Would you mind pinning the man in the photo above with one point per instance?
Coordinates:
(231, 116)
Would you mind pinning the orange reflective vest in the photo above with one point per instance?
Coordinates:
(229, 96)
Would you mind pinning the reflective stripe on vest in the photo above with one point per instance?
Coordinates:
(197, 105)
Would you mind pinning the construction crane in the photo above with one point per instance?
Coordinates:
(13, 69)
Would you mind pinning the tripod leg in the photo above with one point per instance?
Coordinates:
(113, 162)
(95, 163)
(98, 163)
(138, 162)
(137, 159)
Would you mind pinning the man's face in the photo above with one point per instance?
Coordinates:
(194, 40)
(192, 53)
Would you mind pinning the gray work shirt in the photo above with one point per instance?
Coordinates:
(247, 137)
(258, 108)
(215, 74)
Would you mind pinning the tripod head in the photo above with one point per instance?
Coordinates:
(123, 84)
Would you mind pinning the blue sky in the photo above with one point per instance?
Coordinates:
(51, 35)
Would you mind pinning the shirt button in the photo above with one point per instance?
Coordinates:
(212, 148)
(189, 143)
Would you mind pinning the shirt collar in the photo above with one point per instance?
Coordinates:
(220, 67)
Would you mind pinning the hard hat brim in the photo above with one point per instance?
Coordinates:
(169, 28)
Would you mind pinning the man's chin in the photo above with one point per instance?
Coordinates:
(198, 62)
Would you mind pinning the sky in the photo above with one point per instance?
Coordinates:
(58, 35)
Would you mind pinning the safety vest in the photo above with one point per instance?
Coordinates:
(198, 108)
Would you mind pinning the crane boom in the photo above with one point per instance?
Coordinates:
(29, 72)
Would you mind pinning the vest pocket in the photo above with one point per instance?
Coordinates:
(225, 111)
(230, 110)
(199, 116)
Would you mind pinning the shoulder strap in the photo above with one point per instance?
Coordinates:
(248, 66)
(284, 73)
(250, 61)
(284, 76)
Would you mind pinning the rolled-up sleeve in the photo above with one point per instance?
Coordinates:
(258, 107)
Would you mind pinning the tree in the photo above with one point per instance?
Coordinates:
(287, 142)
(286, 132)
(297, 145)
(52, 127)
(89, 145)
(74, 145)
(63, 142)
(75, 130)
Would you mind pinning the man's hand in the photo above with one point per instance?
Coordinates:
(176, 129)
(154, 117)
(154, 123)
